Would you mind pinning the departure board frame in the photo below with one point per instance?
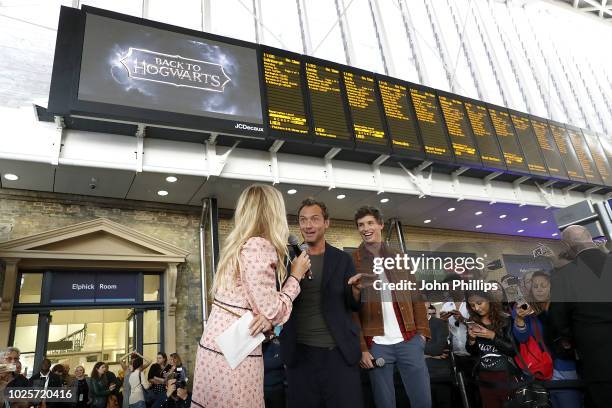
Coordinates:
(321, 140)
(552, 167)
(489, 165)
(361, 145)
(579, 177)
(449, 147)
(598, 179)
(286, 135)
(472, 138)
(538, 152)
(418, 152)
(605, 150)
(502, 109)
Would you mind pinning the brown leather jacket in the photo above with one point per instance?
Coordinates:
(370, 318)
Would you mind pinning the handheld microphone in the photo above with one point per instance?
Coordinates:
(378, 362)
(298, 249)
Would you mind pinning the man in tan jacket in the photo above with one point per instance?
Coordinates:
(393, 324)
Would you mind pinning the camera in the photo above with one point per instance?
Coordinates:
(93, 183)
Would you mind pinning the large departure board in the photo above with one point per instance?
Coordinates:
(584, 155)
(507, 140)
(531, 148)
(431, 126)
(285, 101)
(599, 157)
(400, 119)
(327, 105)
(366, 113)
(549, 148)
(490, 152)
(568, 155)
(459, 130)
(606, 143)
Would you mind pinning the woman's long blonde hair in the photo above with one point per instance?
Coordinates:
(260, 212)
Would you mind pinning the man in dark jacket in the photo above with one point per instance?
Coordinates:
(581, 310)
(319, 342)
(46, 379)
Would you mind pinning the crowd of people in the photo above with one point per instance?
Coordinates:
(164, 386)
(333, 340)
(344, 344)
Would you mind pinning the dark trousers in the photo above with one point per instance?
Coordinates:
(598, 394)
(320, 378)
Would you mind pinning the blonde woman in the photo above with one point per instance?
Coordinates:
(250, 265)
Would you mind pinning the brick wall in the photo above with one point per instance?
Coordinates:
(24, 213)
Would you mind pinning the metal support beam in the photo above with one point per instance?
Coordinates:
(376, 170)
(415, 49)
(216, 163)
(329, 168)
(416, 177)
(489, 188)
(518, 193)
(447, 62)
(140, 135)
(546, 196)
(274, 160)
(456, 184)
(386, 52)
(57, 142)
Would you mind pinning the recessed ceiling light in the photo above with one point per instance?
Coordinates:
(521, 230)
(555, 234)
(171, 179)
(162, 193)
(503, 216)
(384, 200)
(543, 222)
(11, 177)
(524, 219)
(478, 226)
(451, 209)
(427, 221)
(292, 191)
(478, 213)
(340, 196)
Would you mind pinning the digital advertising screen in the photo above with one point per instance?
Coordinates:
(284, 98)
(484, 133)
(146, 68)
(459, 130)
(366, 111)
(568, 155)
(400, 118)
(327, 104)
(507, 139)
(549, 148)
(527, 139)
(431, 125)
(584, 155)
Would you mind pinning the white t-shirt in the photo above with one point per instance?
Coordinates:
(136, 392)
(393, 334)
(459, 332)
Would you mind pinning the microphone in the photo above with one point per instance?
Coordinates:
(378, 362)
(298, 249)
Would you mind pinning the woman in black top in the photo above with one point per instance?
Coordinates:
(82, 387)
(489, 339)
(157, 374)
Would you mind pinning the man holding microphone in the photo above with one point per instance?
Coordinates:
(394, 325)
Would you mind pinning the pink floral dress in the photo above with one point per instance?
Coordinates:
(215, 384)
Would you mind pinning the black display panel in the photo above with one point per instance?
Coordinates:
(284, 97)
(484, 133)
(584, 155)
(400, 118)
(529, 144)
(606, 143)
(548, 148)
(507, 139)
(430, 122)
(568, 155)
(459, 130)
(135, 70)
(366, 112)
(603, 165)
(327, 104)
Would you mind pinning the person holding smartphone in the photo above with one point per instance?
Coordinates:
(488, 338)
